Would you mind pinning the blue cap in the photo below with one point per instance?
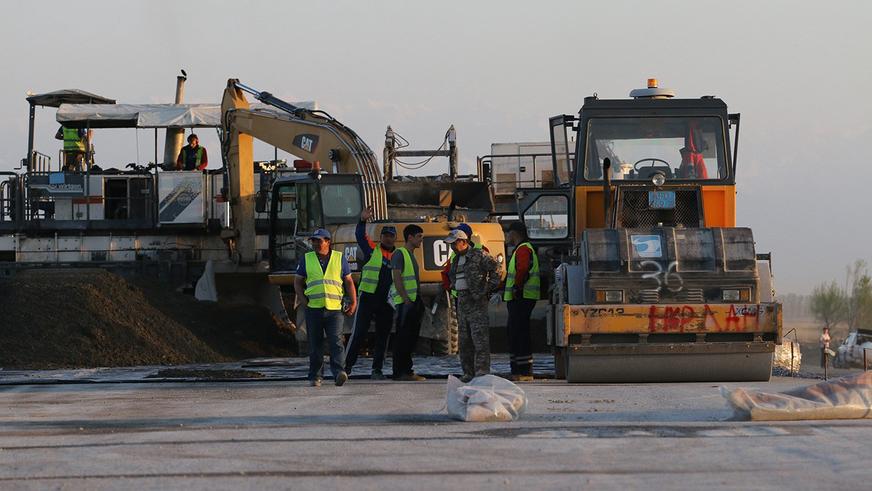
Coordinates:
(466, 228)
(320, 234)
(389, 229)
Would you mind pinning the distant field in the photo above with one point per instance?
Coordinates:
(809, 331)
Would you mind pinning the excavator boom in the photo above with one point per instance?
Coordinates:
(310, 134)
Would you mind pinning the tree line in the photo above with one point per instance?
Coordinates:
(851, 303)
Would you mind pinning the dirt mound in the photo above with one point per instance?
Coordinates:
(92, 317)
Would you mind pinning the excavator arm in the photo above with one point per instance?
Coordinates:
(309, 134)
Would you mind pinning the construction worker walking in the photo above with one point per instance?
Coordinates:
(474, 276)
(521, 294)
(375, 284)
(404, 292)
(323, 277)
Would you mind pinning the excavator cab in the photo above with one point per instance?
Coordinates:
(302, 204)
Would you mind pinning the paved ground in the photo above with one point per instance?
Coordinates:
(393, 435)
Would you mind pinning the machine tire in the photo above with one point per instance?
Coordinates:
(300, 333)
(444, 321)
(453, 329)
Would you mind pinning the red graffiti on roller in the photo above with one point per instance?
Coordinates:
(687, 318)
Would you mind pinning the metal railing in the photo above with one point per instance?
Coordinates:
(8, 193)
(40, 163)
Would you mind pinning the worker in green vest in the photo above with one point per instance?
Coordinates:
(521, 293)
(192, 156)
(407, 302)
(77, 141)
(374, 304)
(323, 280)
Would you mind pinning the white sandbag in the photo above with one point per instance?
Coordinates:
(788, 356)
(845, 398)
(205, 289)
(485, 398)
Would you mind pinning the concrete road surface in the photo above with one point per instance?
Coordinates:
(392, 435)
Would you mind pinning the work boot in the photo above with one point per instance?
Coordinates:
(377, 375)
(315, 382)
(341, 378)
(410, 377)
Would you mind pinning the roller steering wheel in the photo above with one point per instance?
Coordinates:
(653, 161)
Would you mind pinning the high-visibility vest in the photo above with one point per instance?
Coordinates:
(453, 257)
(198, 156)
(324, 287)
(371, 270)
(531, 287)
(72, 141)
(410, 283)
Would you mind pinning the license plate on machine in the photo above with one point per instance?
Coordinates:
(661, 200)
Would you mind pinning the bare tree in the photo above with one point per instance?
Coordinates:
(828, 303)
(861, 301)
(858, 292)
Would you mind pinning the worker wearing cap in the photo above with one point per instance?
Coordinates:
(375, 284)
(76, 144)
(521, 294)
(446, 283)
(323, 279)
(408, 304)
(474, 275)
(192, 156)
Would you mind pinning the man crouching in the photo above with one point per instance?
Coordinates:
(474, 276)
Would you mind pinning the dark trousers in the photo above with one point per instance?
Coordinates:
(408, 327)
(321, 322)
(520, 349)
(370, 307)
(823, 357)
(73, 161)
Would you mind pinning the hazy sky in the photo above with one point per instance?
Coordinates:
(799, 72)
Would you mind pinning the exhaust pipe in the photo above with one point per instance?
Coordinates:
(607, 191)
(175, 136)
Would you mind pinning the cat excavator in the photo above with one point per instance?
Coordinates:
(336, 177)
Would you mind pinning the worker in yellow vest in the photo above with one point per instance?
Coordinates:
(76, 144)
(407, 302)
(521, 294)
(374, 303)
(323, 280)
(192, 156)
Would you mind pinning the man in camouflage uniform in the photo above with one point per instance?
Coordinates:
(474, 276)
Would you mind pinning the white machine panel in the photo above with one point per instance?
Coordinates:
(181, 198)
